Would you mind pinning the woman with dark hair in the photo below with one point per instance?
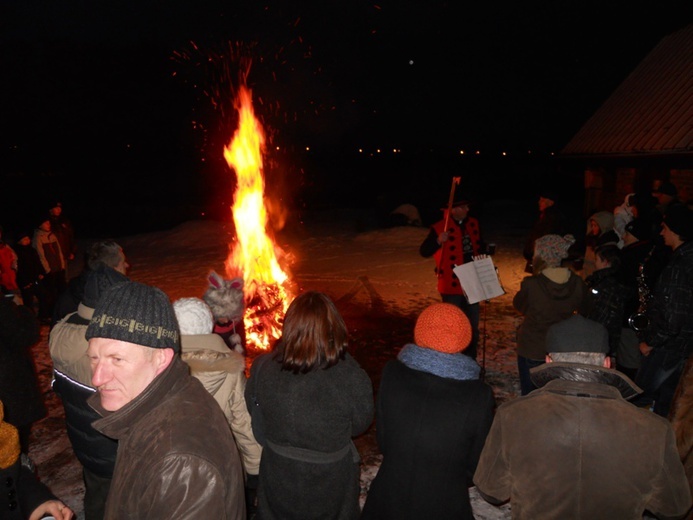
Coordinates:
(307, 399)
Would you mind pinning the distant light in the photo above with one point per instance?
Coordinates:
(394, 150)
(551, 153)
(411, 62)
(277, 148)
(360, 150)
(307, 148)
(461, 152)
(529, 151)
(378, 150)
(504, 154)
(478, 152)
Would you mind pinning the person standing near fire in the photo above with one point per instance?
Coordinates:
(453, 241)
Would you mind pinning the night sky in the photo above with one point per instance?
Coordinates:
(108, 90)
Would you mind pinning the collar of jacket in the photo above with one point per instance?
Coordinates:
(117, 424)
(600, 275)
(587, 379)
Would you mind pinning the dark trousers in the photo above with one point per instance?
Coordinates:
(658, 383)
(96, 492)
(472, 313)
(523, 367)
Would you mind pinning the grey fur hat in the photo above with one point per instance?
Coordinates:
(225, 297)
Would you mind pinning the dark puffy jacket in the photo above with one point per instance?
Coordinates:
(176, 454)
(95, 451)
(671, 311)
(72, 382)
(609, 302)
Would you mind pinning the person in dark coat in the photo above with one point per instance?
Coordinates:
(30, 271)
(432, 417)
(19, 389)
(551, 221)
(307, 399)
(23, 496)
(668, 341)
(608, 294)
(103, 252)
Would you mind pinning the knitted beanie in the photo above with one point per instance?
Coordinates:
(9, 442)
(679, 219)
(135, 313)
(553, 248)
(194, 316)
(98, 280)
(577, 334)
(443, 327)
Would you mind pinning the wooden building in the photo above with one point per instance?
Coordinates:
(643, 133)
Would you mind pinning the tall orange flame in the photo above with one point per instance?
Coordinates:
(254, 256)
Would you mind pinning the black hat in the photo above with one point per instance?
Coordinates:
(639, 229)
(679, 219)
(98, 281)
(577, 334)
(667, 188)
(548, 193)
(135, 313)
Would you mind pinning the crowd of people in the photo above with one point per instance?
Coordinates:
(165, 424)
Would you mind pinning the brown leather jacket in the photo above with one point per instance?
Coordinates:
(176, 455)
(576, 449)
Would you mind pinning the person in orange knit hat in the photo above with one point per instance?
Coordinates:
(23, 495)
(432, 417)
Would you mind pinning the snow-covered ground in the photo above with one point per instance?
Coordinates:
(376, 277)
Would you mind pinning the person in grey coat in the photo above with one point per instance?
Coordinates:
(307, 399)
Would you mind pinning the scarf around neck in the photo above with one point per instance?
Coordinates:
(450, 366)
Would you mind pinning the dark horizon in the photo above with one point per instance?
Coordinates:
(112, 102)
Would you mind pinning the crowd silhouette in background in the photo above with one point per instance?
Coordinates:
(165, 425)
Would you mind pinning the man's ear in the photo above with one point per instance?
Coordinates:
(607, 361)
(548, 358)
(164, 356)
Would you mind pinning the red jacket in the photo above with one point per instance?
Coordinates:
(451, 253)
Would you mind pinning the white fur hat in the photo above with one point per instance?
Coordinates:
(194, 316)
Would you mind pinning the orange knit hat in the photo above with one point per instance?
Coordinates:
(443, 327)
(9, 442)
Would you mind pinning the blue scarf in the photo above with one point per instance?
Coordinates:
(450, 366)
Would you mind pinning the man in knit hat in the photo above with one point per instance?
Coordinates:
(432, 419)
(72, 382)
(168, 465)
(668, 341)
(575, 447)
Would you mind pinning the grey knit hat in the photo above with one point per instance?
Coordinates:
(136, 313)
(577, 334)
(98, 281)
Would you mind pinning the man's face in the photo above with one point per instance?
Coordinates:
(121, 370)
(122, 266)
(544, 203)
(671, 239)
(56, 211)
(460, 212)
(46, 225)
(24, 241)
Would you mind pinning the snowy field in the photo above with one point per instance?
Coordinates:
(377, 279)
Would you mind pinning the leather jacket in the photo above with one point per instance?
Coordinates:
(176, 454)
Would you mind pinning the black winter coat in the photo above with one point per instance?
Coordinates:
(609, 298)
(19, 389)
(431, 431)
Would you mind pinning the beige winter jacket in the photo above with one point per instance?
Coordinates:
(222, 372)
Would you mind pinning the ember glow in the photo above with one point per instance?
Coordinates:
(254, 256)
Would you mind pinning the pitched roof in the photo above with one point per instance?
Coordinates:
(651, 112)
